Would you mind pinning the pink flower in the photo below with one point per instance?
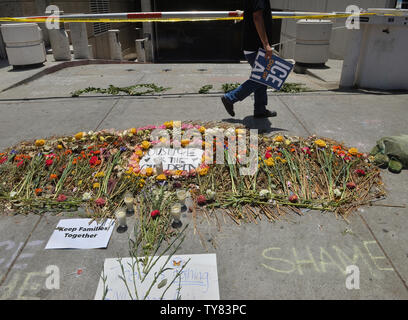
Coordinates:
(306, 150)
(61, 198)
(100, 202)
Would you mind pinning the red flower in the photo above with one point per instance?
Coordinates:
(20, 163)
(268, 155)
(360, 172)
(351, 185)
(100, 202)
(201, 200)
(49, 162)
(61, 198)
(294, 198)
(306, 150)
(93, 161)
(2, 160)
(154, 214)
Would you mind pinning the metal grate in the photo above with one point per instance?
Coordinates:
(100, 6)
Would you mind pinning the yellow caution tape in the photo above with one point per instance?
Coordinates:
(62, 19)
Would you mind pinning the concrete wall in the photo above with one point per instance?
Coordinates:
(338, 39)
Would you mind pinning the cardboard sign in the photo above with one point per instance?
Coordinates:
(271, 72)
(184, 159)
(79, 234)
(198, 280)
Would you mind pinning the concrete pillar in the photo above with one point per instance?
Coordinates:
(90, 50)
(60, 44)
(352, 57)
(148, 32)
(115, 48)
(79, 36)
(140, 50)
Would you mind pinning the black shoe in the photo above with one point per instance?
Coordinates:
(229, 106)
(267, 114)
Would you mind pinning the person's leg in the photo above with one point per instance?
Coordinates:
(261, 101)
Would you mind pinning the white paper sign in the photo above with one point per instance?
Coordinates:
(79, 234)
(198, 280)
(184, 159)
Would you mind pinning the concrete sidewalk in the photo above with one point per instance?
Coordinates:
(304, 257)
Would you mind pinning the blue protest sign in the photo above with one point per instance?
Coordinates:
(272, 72)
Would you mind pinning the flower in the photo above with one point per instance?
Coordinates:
(100, 202)
(3, 159)
(337, 193)
(210, 194)
(96, 185)
(61, 198)
(202, 171)
(133, 130)
(38, 191)
(351, 185)
(202, 129)
(145, 145)
(94, 161)
(86, 196)
(268, 155)
(279, 139)
(320, 143)
(149, 171)
(360, 172)
(49, 162)
(353, 151)
(53, 176)
(264, 194)
(39, 143)
(185, 142)
(270, 162)
(293, 198)
(59, 147)
(161, 177)
(155, 213)
(100, 174)
(201, 200)
(79, 135)
(306, 150)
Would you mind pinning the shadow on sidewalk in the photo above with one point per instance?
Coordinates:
(262, 125)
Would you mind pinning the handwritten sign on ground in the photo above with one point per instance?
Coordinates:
(81, 234)
(272, 72)
(198, 280)
(173, 159)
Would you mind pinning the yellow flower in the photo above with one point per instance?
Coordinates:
(139, 152)
(161, 177)
(279, 139)
(130, 170)
(280, 159)
(270, 162)
(79, 182)
(39, 143)
(202, 129)
(59, 147)
(96, 185)
(321, 143)
(133, 130)
(145, 145)
(100, 174)
(168, 124)
(79, 136)
(202, 171)
(240, 131)
(185, 142)
(102, 139)
(149, 171)
(353, 151)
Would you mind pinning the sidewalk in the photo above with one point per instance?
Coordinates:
(302, 258)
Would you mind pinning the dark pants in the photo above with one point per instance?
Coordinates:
(248, 87)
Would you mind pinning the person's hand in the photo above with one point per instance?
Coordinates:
(268, 51)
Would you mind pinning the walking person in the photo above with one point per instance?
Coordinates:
(257, 33)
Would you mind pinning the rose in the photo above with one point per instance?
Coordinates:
(201, 200)
(100, 202)
(155, 213)
(61, 198)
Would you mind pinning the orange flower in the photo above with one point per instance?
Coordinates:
(68, 152)
(53, 176)
(38, 191)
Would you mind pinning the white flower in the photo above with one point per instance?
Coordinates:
(210, 194)
(13, 194)
(264, 193)
(337, 192)
(86, 196)
(230, 132)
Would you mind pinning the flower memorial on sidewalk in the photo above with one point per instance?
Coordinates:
(94, 170)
